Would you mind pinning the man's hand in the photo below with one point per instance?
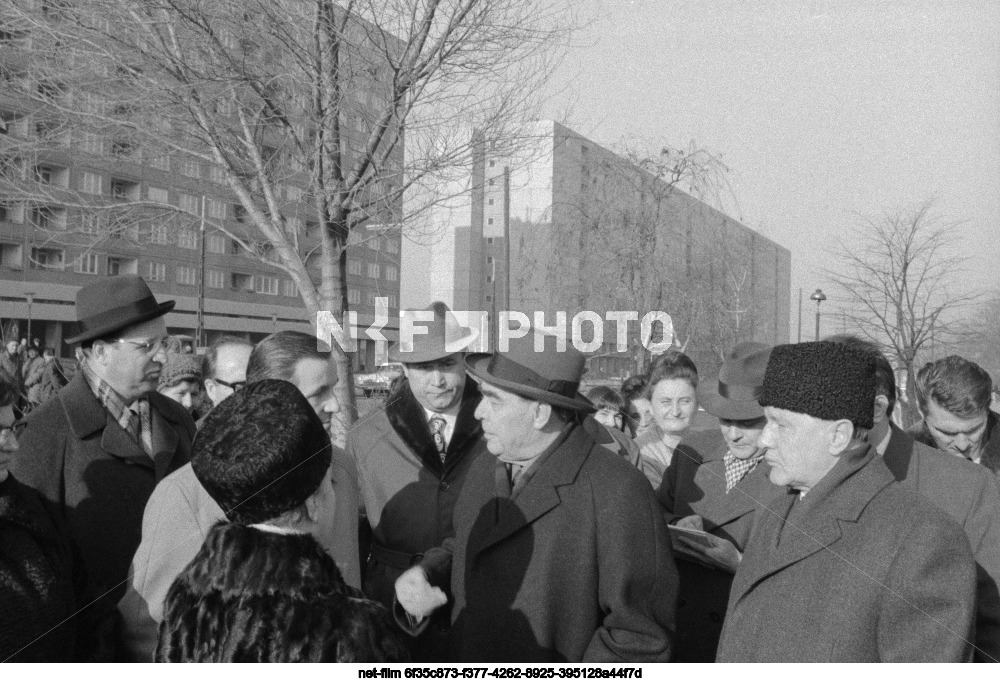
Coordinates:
(416, 595)
(721, 554)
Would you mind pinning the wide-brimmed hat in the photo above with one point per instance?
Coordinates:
(733, 394)
(548, 375)
(444, 336)
(114, 303)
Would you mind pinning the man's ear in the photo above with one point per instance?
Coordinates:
(543, 413)
(881, 405)
(841, 436)
(312, 507)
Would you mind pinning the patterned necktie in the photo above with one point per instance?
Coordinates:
(737, 469)
(437, 424)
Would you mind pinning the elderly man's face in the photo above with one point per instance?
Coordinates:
(437, 385)
(508, 423)
(316, 379)
(958, 436)
(742, 435)
(798, 448)
(131, 364)
(12, 347)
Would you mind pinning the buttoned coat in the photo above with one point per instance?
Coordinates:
(860, 569)
(74, 453)
(990, 457)
(409, 495)
(970, 495)
(695, 483)
(576, 567)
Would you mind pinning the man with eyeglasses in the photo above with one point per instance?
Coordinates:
(225, 367)
(96, 451)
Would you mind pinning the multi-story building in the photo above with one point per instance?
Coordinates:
(571, 226)
(53, 243)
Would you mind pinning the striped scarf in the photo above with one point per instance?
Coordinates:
(137, 423)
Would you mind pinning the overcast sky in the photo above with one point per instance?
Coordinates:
(821, 108)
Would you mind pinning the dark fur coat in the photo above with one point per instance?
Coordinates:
(255, 596)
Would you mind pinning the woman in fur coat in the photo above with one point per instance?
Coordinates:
(263, 587)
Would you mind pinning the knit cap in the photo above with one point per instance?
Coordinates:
(823, 379)
(178, 368)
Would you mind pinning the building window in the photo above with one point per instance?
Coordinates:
(489, 299)
(489, 279)
(92, 143)
(489, 240)
(238, 249)
(353, 296)
(267, 285)
(490, 202)
(373, 270)
(239, 213)
(216, 279)
(158, 194)
(156, 272)
(492, 163)
(188, 203)
(161, 162)
(489, 260)
(191, 168)
(215, 209)
(47, 259)
(91, 183)
(393, 301)
(490, 183)
(391, 246)
(122, 266)
(294, 193)
(186, 274)
(489, 221)
(124, 189)
(242, 281)
(215, 243)
(12, 256)
(122, 149)
(48, 218)
(290, 289)
(91, 223)
(353, 267)
(187, 239)
(158, 234)
(216, 174)
(87, 264)
(391, 273)
(51, 175)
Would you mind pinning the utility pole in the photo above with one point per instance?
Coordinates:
(200, 323)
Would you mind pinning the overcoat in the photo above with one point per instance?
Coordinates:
(970, 495)
(695, 483)
(409, 495)
(74, 453)
(990, 457)
(859, 569)
(576, 567)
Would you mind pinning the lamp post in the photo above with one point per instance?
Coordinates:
(819, 297)
(30, 295)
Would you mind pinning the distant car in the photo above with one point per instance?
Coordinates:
(379, 381)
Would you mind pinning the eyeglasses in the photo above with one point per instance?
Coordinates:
(150, 347)
(236, 385)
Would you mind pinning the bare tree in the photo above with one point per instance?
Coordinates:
(898, 271)
(298, 107)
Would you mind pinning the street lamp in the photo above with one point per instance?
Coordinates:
(30, 295)
(819, 297)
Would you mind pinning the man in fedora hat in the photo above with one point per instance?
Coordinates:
(847, 564)
(715, 483)
(413, 457)
(97, 450)
(560, 551)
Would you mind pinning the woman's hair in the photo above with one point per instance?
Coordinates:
(673, 364)
(607, 398)
(276, 356)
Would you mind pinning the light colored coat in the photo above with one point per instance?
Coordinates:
(860, 569)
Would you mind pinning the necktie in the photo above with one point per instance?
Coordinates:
(514, 474)
(737, 468)
(437, 424)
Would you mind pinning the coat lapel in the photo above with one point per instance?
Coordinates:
(898, 453)
(87, 416)
(541, 493)
(165, 437)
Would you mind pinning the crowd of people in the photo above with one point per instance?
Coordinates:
(167, 506)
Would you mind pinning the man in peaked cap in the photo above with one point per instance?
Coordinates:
(560, 551)
(715, 483)
(98, 449)
(846, 565)
(413, 457)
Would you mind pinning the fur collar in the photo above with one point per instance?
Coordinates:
(409, 421)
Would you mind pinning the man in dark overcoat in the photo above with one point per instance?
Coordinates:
(968, 493)
(716, 482)
(561, 552)
(96, 451)
(412, 459)
(847, 565)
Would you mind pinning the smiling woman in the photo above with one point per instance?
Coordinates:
(672, 380)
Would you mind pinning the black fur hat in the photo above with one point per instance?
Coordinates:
(261, 452)
(822, 379)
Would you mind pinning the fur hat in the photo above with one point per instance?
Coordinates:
(822, 379)
(261, 452)
(180, 367)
